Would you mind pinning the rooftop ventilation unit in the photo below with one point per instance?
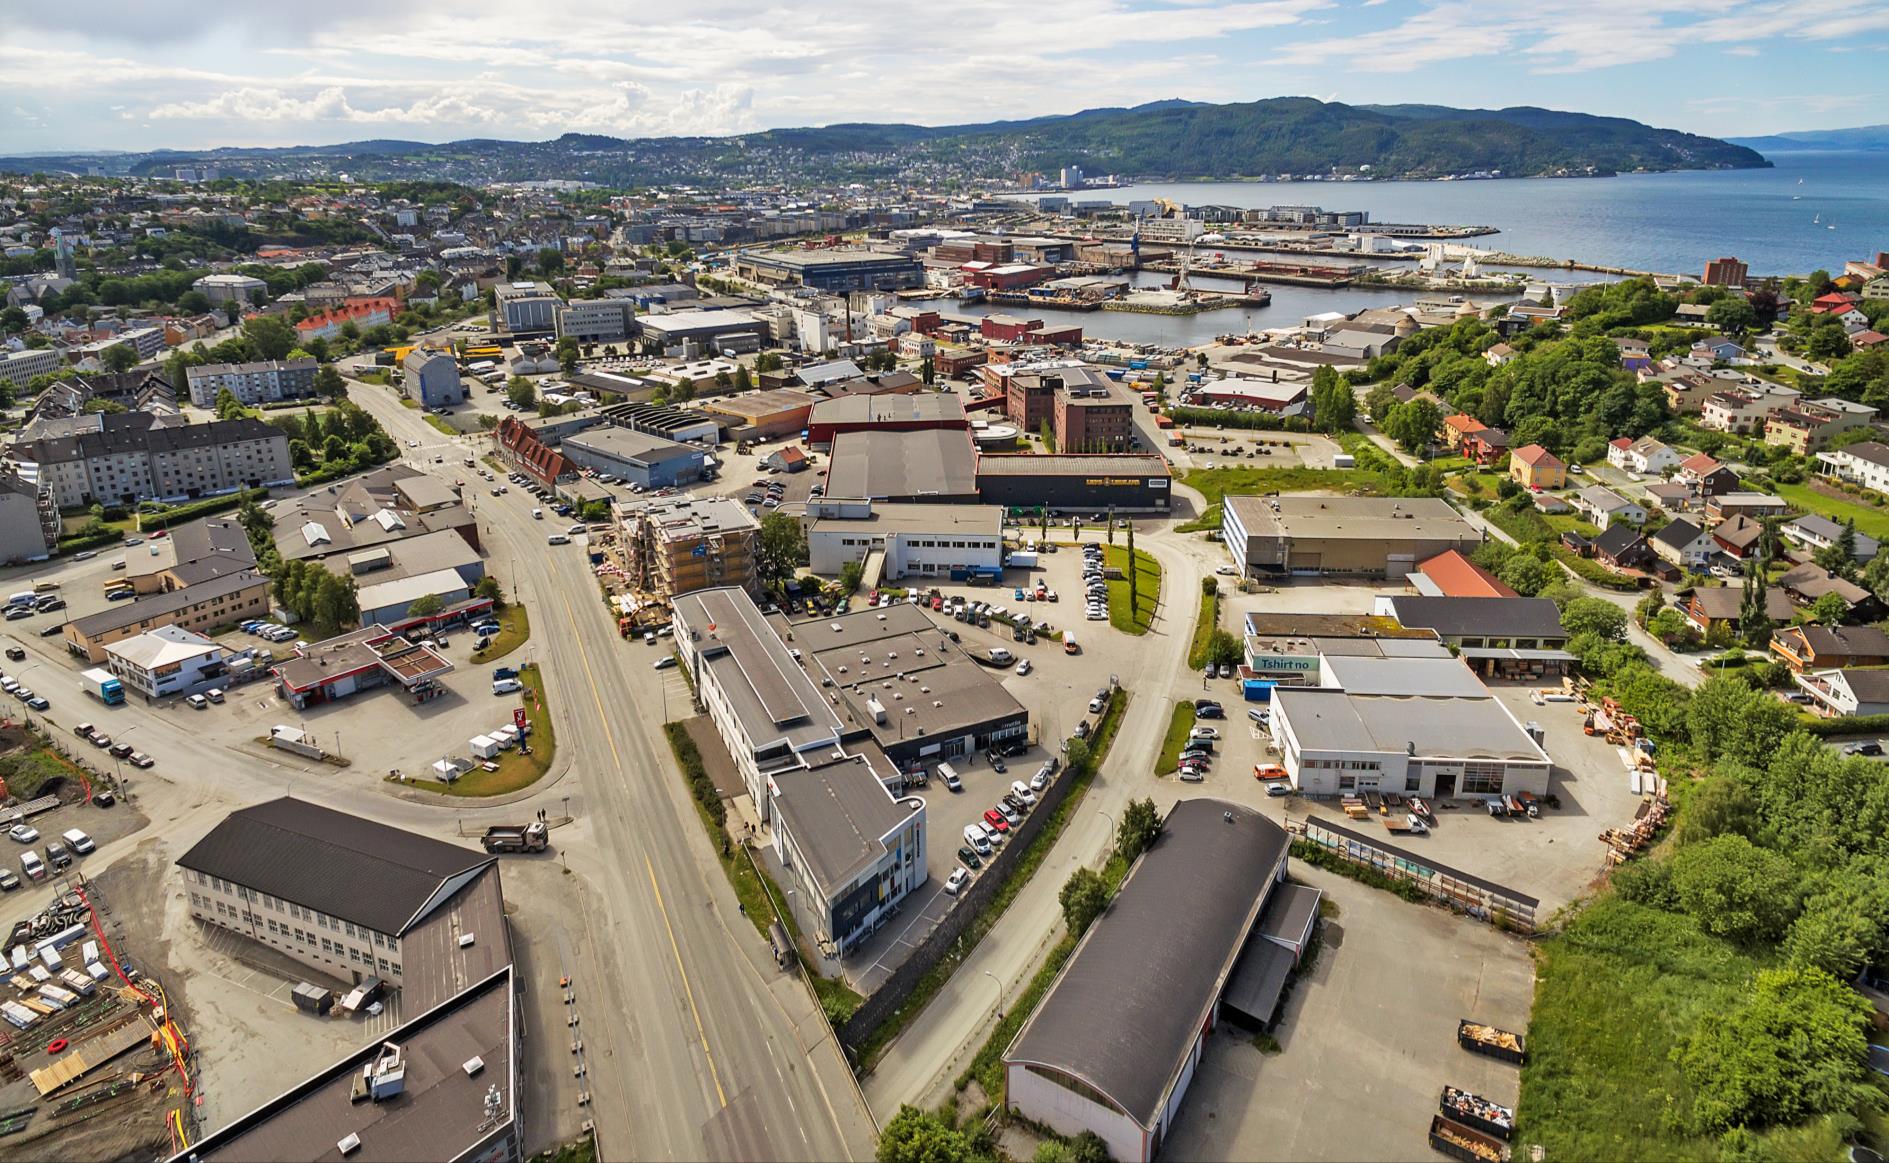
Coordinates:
(349, 1145)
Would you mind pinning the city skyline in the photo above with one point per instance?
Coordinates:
(120, 76)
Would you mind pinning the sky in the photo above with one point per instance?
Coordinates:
(134, 74)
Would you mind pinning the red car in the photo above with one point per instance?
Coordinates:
(937, 603)
(996, 820)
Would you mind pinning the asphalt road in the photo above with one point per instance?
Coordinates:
(698, 1048)
(708, 1051)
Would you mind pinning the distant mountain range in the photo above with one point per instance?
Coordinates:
(1163, 139)
(1870, 137)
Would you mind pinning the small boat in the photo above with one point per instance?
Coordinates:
(1817, 219)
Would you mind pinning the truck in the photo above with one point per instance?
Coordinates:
(531, 837)
(363, 995)
(1411, 824)
(1491, 1042)
(1449, 1137)
(102, 685)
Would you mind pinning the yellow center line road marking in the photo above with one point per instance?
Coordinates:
(688, 990)
(697, 1014)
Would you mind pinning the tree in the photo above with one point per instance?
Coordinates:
(928, 370)
(743, 380)
(1084, 895)
(329, 385)
(1735, 889)
(1669, 626)
(489, 589)
(335, 602)
(1754, 621)
(1414, 425)
(521, 392)
(1728, 719)
(14, 320)
(1833, 935)
(550, 261)
(1380, 400)
(568, 353)
(119, 357)
(1224, 648)
(1088, 1147)
(683, 391)
(783, 544)
(1829, 610)
(1732, 315)
(916, 1136)
(1049, 436)
(1839, 557)
(1334, 404)
(228, 407)
(1795, 1047)
(1719, 806)
(1595, 616)
(851, 574)
(424, 606)
(1139, 829)
(1525, 574)
(268, 336)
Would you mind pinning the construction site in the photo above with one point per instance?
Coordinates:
(93, 1061)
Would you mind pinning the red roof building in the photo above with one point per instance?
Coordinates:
(1451, 575)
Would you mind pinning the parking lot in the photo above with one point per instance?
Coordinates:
(1368, 1038)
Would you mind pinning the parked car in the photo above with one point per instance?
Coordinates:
(24, 833)
(140, 759)
(954, 884)
(968, 857)
(1866, 747)
(507, 686)
(1278, 789)
(1191, 775)
(1022, 791)
(1204, 733)
(996, 821)
(8, 881)
(38, 703)
(977, 838)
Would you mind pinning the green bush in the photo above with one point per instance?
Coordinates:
(689, 758)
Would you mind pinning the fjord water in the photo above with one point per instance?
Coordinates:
(1777, 220)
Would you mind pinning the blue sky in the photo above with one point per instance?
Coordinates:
(131, 74)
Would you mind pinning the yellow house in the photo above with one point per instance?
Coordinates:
(1534, 467)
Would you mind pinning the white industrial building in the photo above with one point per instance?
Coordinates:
(596, 320)
(1413, 726)
(926, 541)
(169, 660)
(526, 306)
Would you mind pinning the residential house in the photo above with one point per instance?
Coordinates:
(1534, 467)
(1810, 581)
(1487, 446)
(1811, 424)
(1635, 355)
(1877, 288)
(1709, 607)
(1868, 340)
(1845, 693)
(1865, 463)
(1744, 410)
(1707, 477)
(1753, 505)
(1691, 315)
(1459, 427)
(1669, 495)
(1718, 349)
(1686, 390)
(1834, 303)
(1814, 647)
(1738, 537)
(1645, 455)
(1605, 506)
(1684, 544)
(1621, 547)
(1813, 531)
(1498, 355)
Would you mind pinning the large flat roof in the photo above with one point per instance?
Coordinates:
(1488, 617)
(1124, 1013)
(890, 517)
(122, 614)
(766, 687)
(439, 1115)
(629, 444)
(1131, 464)
(898, 657)
(840, 812)
(678, 322)
(1440, 676)
(931, 462)
(1460, 728)
(1351, 518)
(692, 518)
(801, 259)
(888, 407)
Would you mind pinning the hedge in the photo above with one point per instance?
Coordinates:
(689, 758)
(1854, 725)
(1228, 418)
(177, 514)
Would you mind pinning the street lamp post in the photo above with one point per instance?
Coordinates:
(118, 765)
(24, 709)
(1000, 993)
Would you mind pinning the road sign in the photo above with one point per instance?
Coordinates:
(518, 717)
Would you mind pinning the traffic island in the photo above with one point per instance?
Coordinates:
(514, 630)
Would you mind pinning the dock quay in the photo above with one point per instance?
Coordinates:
(1293, 274)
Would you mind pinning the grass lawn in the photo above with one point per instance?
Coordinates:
(515, 769)
(1205, 623)
(1615, 992)
(440, 425)
(929, 985)
(378, 375)
(514, 631)
(1137, 619)
(1179, 724)
(1870, 521)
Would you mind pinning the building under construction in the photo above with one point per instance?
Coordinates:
(677, 545)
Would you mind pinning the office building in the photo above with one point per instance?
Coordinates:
(207, 605)
(1094, 418)
(19, 367)
(896, 541)
(264, 382)
(225, 288)
(597, 320)
(636, 457)
(167, 661)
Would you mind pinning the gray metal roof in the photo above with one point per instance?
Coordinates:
(1125, 1011)
(130, 613)
(1455, 728)
(879, 465)
(1484, 617)
(838, 814)
(766, 688)
(342, 865)
(1403, 676)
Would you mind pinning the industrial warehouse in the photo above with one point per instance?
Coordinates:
(1083, 484)
(1369, 536)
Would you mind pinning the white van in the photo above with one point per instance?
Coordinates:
(23, 598)
(949, 775)
(214, 695)
(78, 841)
(558, 539)
(32, 865)
(537, 514)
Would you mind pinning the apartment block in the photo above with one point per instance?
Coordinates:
(262, 382)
